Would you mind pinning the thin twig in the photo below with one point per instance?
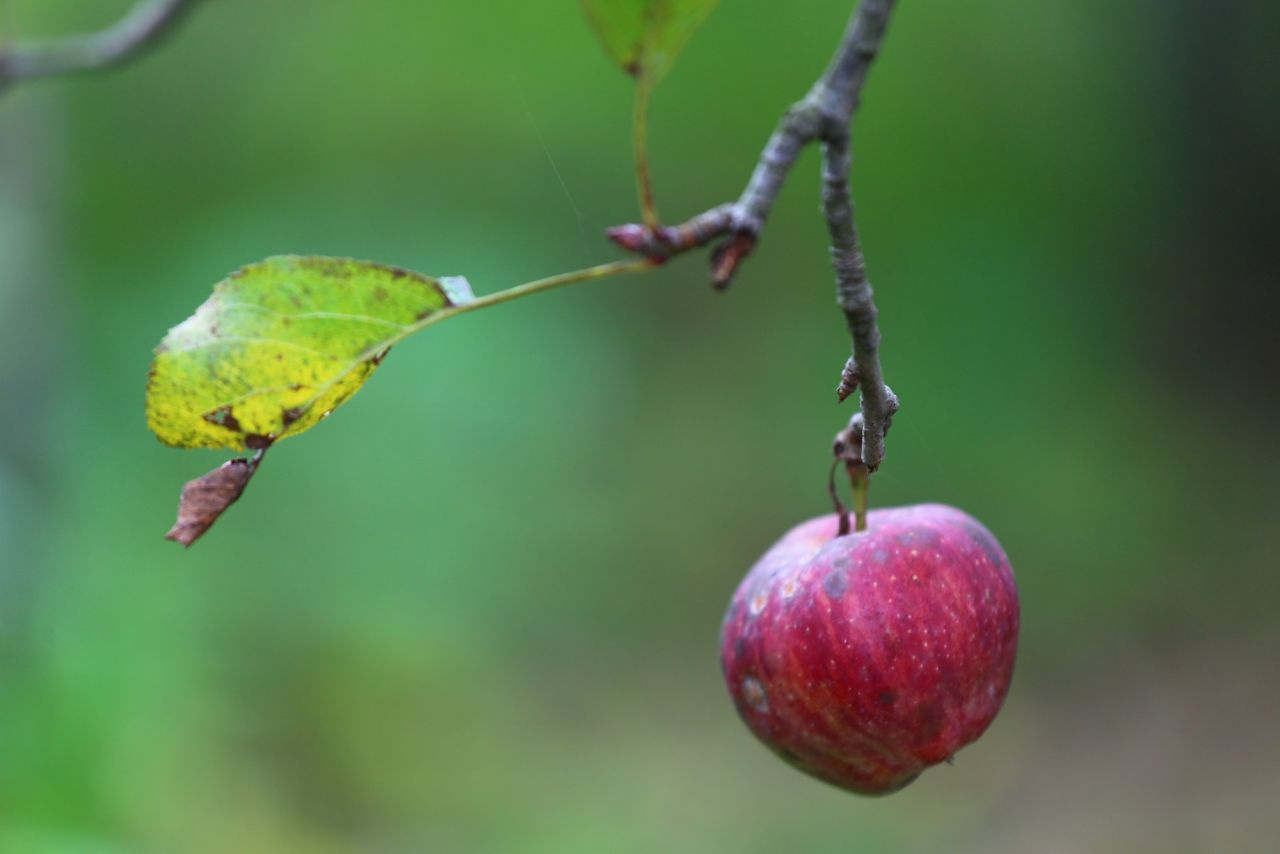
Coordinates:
(143, 26)
(827, 109)
(823, 115)
(853, 294)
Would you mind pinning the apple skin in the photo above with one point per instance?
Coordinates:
(864, 659)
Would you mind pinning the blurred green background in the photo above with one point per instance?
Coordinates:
(478, 611)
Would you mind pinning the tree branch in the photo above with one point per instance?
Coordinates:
(823, 115)
(853, 295)
(143, 26)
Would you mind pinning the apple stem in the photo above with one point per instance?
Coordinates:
(841, 510)
(847, 449)
(861, 479)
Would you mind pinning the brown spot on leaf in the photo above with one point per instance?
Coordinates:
(334, 268)
(223, 417)
(206, 498)
(257, 441)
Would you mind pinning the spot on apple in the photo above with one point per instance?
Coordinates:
(986, 542)
(918, 537)
(753, 693)
(835, 584)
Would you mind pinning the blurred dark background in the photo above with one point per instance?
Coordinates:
(478, 611)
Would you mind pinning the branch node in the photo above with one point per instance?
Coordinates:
(822, 114)
(849, 378)
(639, 239)
(727, 256)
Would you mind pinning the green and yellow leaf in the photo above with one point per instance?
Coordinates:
(282, 343)
(644, 36)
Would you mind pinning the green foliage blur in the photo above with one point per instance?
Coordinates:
(478, 609)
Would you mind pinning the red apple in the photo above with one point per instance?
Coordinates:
(864, 659)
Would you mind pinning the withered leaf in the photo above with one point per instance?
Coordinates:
(207, 497)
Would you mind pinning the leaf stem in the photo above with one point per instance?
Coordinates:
(588, 274)
(640, 142)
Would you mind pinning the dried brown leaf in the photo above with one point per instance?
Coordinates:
(206, 498)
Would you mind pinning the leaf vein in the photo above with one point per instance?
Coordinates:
(248, 339)
(322, 315)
